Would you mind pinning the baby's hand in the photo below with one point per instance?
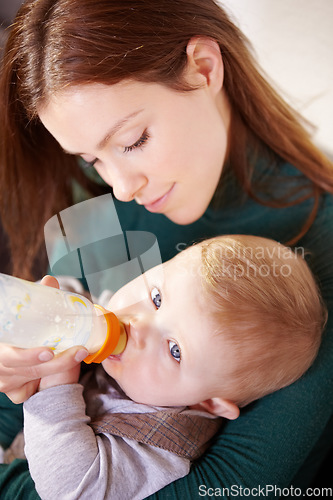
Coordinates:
(67, 377)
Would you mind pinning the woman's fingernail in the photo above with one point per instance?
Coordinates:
(81, 355)
(45, 356)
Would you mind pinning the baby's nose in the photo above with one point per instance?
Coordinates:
(139, 331)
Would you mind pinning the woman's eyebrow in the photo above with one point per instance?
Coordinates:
(114, 129)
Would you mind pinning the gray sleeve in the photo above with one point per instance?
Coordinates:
(67, 460)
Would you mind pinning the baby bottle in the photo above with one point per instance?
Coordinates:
(33, 315)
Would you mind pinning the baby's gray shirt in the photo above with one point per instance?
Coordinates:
(68, 461)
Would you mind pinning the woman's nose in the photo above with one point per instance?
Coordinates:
(127, 185)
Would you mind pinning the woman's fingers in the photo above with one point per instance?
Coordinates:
(41, 360)
(24, 392)
(50, 281)
(21, 369)
(15, 357)
(64, 361)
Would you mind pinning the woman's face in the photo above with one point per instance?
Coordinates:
(161, 147)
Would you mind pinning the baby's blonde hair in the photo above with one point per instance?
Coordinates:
(265, 301)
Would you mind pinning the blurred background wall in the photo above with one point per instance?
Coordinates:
(8, 9)
(294, 44)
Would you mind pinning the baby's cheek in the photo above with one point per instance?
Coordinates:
(138, 387)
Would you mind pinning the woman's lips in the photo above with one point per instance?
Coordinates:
(158, 204)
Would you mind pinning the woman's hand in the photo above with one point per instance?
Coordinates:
(21, 370)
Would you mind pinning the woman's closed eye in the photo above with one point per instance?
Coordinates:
(139, 143)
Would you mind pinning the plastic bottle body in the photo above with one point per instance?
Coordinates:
(33, 315)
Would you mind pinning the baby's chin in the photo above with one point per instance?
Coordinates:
(150, 400)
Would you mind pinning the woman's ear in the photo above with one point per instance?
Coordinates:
(219, 407)
(204, 63)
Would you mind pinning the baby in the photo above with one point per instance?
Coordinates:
(225, 322)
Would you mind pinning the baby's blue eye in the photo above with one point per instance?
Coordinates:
(156, 297)
(174, 350)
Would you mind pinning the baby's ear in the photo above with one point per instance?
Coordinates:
(220, 407)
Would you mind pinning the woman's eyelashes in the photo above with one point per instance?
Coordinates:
(139, 143)
(175, 350)
(156, 297)
(127, 149)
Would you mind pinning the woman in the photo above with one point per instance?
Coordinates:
(164, 99)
